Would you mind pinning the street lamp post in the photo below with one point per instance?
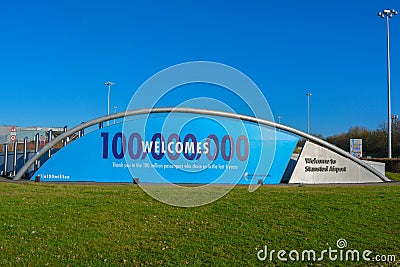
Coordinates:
(279, 121)
(115, 111)
(109, 84)
(387, 13)
(308, 106)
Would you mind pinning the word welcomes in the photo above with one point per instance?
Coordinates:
(174, 146)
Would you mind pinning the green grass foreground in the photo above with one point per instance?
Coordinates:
(113, 225)
(393, 176)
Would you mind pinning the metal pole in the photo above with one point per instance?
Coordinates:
(115, 111)
(81, 132)
(308, 107)
(108, 98)
(388, 84)
(36, 151)
(49, 138)
(25, 149)
(5, 158)
(15, 158)
(108, 102)
(308, 115)
(65, 141)
(387, 13)
(279, 121)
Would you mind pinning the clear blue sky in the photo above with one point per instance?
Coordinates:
(56, 56)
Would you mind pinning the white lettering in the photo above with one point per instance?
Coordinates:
(189, 147)
(169, 147)
(157, 147)
(179, 147)
(147, 146)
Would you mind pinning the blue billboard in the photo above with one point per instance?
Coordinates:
(175, 148)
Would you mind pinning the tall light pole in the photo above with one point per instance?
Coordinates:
(279, 121)
(387, 13)
(115, 111)
(109, 84)
(308, 120)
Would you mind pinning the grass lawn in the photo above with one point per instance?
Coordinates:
(113, 225)
(393, 176)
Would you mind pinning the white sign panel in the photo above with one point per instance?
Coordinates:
(319, 165)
